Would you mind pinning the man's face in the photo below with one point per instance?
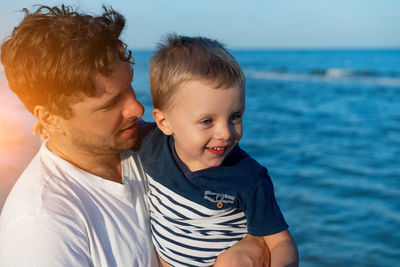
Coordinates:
(106, 123)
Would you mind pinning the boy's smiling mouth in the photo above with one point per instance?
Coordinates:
(219, 150)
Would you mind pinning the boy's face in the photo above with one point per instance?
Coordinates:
(206, 123)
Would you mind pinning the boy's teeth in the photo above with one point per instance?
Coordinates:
(218, 148)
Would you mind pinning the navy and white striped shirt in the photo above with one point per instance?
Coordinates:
(197, 215)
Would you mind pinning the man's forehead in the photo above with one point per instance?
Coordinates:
(121, 74)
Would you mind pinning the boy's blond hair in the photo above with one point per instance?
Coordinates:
(181, 59)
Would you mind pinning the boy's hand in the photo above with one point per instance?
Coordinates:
(38, 128)
(251, 251)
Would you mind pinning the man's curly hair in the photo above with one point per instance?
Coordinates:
(49, 56)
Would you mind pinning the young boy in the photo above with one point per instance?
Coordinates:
(205, 193)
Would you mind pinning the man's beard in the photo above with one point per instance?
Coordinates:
(104, 145)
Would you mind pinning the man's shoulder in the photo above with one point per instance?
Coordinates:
(36, 215)
(26, 192)
(39, 190)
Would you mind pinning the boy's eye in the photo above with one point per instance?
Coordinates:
(206, 121)
(236, 116)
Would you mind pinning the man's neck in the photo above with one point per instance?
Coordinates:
(106, 166)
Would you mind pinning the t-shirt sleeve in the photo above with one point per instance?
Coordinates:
(41, 241)
(264, 216)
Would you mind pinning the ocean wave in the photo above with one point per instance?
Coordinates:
(334, 72)
(327, 76)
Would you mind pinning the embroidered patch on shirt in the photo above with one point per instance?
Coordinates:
(218, 197)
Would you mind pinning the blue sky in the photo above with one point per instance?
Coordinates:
(246, 23)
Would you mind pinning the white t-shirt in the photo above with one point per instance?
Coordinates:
(60, 215)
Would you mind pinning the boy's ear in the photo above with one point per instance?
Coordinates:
(47, 120)
(162, 121)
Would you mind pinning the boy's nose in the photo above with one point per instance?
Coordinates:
(132, 107)
(224, 132)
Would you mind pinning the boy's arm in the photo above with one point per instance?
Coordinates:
(283, 249)
(251, 251)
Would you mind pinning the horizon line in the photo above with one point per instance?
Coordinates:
(291, 48)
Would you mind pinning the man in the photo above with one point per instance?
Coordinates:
(81, 201)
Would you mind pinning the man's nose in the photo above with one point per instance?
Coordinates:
(132, 107)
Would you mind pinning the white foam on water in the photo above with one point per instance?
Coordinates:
(331, 76)
(338, 72)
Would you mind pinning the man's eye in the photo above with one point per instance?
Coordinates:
(206, 121)
(107, 107)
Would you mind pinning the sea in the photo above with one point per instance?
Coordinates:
(326, 124)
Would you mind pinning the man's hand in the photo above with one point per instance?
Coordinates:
(38, 128)
(251, 251)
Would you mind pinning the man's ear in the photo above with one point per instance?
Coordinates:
(47, 120)
(162, 121)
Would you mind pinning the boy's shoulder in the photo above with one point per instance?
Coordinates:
(144, 128)
(152, 146)
(241, 162)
